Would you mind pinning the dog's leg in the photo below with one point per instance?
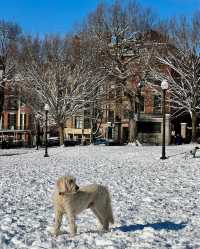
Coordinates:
(109, 211)
(104, 225)
(72, 225)
(105, 212)
(58, 222)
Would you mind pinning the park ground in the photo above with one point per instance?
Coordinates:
(156, 203)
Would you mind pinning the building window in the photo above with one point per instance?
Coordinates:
(111, 116)
(12, 103)
(141, 103)
(86, 123)
(86, 119)
(23, 121)
(112, 91)
(157, 104)
(21, 126)
(78, 122)
(149, 127)
(126, 114)
(110, 133)
(12, 121)
(2, 121)
(119, 92)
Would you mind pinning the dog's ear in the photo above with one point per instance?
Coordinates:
(61, 185)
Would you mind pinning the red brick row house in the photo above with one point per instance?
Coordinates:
(16, 119)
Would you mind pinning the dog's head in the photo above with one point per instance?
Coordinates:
(67, 184)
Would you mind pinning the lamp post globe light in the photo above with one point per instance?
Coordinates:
(46, 108)
(164, 86)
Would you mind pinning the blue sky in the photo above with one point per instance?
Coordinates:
(58, 16)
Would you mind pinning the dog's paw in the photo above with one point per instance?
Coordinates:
(72, 234)
(53, 232)
(56, 233)
(99, 226)
(102, 229)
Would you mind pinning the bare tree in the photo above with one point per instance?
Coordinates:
(182, 68)
(183, 74)
(58, 79)
(118, 31)
(9, 34)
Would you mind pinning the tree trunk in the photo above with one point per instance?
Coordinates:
(132, 130)
(38, 134)
(194, 125)
(61, 134)
(132, 121)
(91, 124)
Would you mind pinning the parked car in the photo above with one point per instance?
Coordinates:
(53, 141)
(99, 141)
(111, 142)
(10, 143)
(71, 142)
(107, 142)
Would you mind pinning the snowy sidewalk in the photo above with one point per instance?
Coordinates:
(156, 203)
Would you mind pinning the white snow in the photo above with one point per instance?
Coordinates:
(155, 202)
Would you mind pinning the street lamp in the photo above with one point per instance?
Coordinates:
(164, 86)
(46, 108)
(37, 131)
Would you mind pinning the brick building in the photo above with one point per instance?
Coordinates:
(148, 118)
(16, 121)
(115, 123)
(78, 128)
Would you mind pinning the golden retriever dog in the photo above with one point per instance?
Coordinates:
(71, 200)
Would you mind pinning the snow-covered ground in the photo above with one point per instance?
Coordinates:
(156, 202)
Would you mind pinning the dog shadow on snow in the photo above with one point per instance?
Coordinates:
(167, 225)
(196, 157)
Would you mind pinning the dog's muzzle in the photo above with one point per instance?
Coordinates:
(77, 188)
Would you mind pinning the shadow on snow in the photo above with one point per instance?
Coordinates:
(167, 225)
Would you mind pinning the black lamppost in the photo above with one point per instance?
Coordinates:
(37, 131)
(164, 86)
(46, 108)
